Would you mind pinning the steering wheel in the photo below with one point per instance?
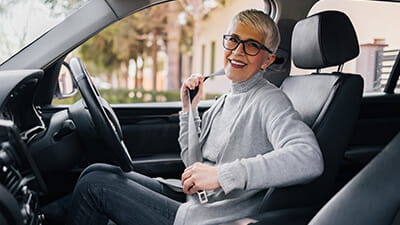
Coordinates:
(104, 118)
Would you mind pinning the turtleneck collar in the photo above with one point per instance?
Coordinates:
(246, 85)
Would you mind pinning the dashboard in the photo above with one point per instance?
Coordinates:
(16, 101)
(21, 183)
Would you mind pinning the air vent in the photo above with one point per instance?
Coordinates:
(10, 178)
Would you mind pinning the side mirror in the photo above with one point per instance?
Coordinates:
(65, 84)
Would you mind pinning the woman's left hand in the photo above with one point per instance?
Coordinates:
(199, 177)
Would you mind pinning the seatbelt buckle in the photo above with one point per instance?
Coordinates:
(202, 196)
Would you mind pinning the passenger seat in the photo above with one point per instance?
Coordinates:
(371, 197)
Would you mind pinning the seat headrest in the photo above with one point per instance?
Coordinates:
(324, 39)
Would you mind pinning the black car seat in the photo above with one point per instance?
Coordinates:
(371, 197)
(328, 102)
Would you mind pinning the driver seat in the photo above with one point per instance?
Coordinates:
(328, 102)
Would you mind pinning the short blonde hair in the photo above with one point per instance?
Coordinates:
(262, 23)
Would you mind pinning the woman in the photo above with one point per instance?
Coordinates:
(251, 139)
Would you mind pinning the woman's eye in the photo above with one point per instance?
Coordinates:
(233, 39)
(253, 45)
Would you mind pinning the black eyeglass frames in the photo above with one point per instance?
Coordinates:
(250, 47)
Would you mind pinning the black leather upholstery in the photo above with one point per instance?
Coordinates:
(372, 197)
(329, 104)
(324, 39)
(309, 104)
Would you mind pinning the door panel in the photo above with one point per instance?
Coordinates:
(151, 133)
(378, 123)
(151, 136)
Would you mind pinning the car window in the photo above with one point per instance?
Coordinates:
(24, 21)
(379, 39)
(146, 56)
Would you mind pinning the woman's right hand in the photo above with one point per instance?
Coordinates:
(190, 83)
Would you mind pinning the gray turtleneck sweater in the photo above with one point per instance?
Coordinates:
(256, 140)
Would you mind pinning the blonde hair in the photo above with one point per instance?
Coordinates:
(262, 23)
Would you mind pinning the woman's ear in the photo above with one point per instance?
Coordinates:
(268, 61)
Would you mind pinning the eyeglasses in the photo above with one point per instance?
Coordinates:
(250, 47)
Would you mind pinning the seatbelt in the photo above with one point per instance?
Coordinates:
(194, 150)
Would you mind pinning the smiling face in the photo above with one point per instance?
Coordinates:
(238, 65)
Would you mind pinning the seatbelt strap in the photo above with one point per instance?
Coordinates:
(194, 150)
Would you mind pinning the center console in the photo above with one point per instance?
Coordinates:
(21, 183)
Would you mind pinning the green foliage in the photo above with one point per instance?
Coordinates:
(98, 51)
(120, 96)
(112, 48)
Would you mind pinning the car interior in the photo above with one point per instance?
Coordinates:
(44, 147)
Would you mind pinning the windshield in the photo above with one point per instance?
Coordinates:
(24, 21)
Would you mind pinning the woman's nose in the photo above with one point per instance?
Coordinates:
(239, 49)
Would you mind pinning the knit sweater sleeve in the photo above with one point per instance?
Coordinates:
(183, 131)
(296, 157)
